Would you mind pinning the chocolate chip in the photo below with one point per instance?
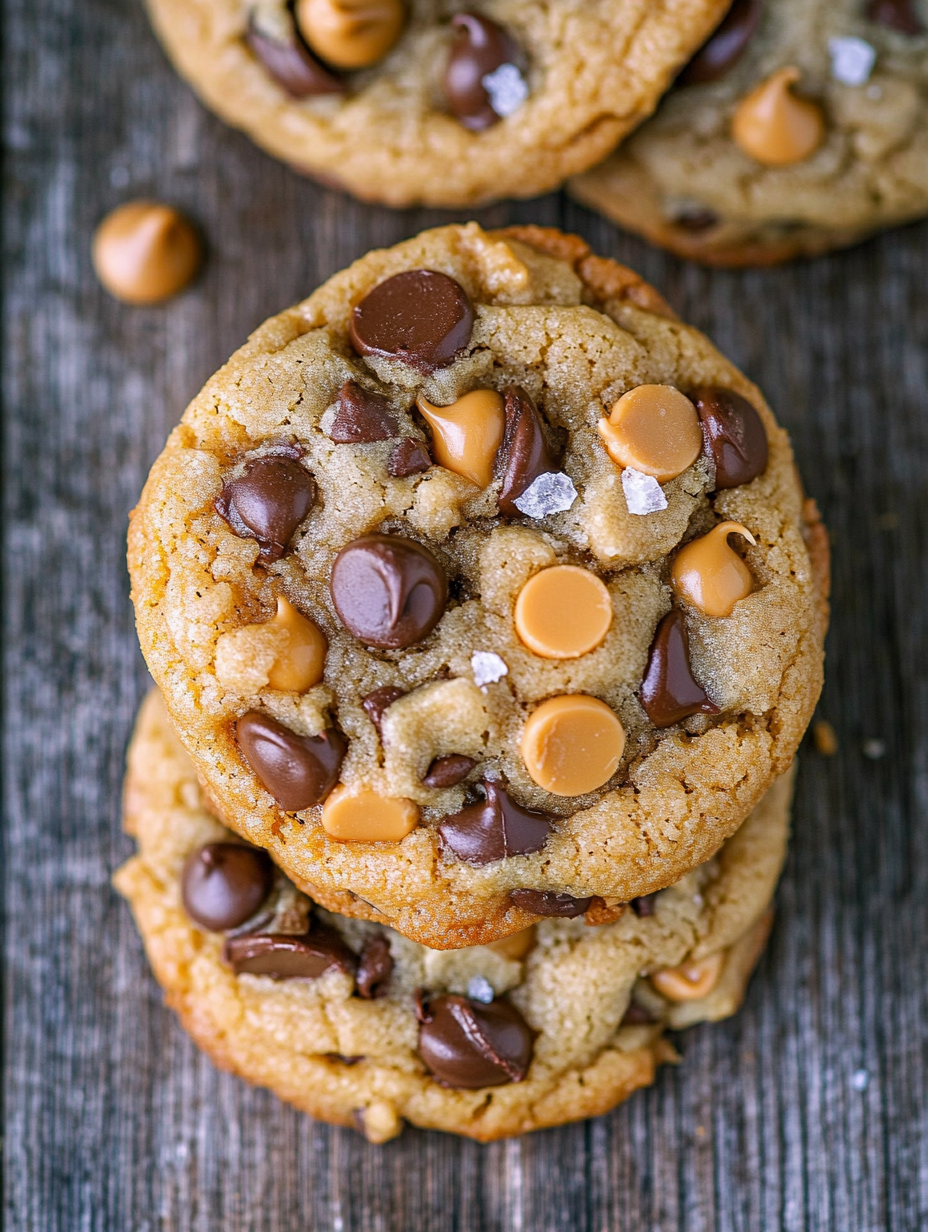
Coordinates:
(733, 434)
(377, 704)
(267, 503)
(668, 692)
(298, 771)
(468, 1044)
(224, 884)
(523, 454)
(695, 220)
(446, 771)
(390, 592)
(409, 457)
(480, 47)
(290, 63)
(726, 46)
(635, 1016)
(420, 316)
(362, 417)
(374, 968)
(289, 958)
(494, 829)
(643, 906)
(546, 902)
(897, 15)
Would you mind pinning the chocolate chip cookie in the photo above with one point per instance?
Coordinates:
(479, 588)
(355, 1024)
(407, 101)
(798, 128)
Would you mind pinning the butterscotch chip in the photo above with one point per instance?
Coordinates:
(824, 738)
(653, 429)
(301, 663)
(709, 574)
(145, 252)
(563, 612)
(573, 744)
(690, 981)
(466, 434)
(350, 34)
(776, 127)
(365, 817)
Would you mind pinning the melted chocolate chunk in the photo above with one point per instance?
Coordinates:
(733, 434)
(635, 1016)
(377, 704)
(643, 906)
(420, 316)
(374, 968)
(290, 63)
(494, 829)
(267, 503)
(523, 454)
(390, 592)
(479, 48)
(725, 47)
(289, 958)
(897, 15)
(298, 771)
(224, 884)
(446, 771)
(361, 417)
(668, 692)
(546, 902)
(695, 220)
(469, 1045)
(409, 457)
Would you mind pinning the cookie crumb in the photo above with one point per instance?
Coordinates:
(643, 494)
(824, 738)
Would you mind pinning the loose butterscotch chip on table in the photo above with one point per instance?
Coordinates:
(145, 252)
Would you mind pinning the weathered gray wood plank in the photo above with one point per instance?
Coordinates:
(112, 1121)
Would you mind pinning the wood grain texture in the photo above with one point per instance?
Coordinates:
(112, 1121)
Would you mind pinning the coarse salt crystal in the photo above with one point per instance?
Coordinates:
(860, 1080)
(550, 493)
(852, 60)
(643, 494)
(479, 988)
(488, 667)
(507, 89)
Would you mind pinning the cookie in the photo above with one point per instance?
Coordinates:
(355, 1024)
(419, 102)
(478, 589)
(801, 126)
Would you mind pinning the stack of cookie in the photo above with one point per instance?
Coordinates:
(487, 613)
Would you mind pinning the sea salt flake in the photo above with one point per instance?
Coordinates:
(852, 60)
(550, 493)
(643, 494)
(488, 667)
(479, 988)
(860, 1080)
(507, 89)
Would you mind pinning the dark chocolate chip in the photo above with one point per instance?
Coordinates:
(390, 592)
(469, 1045)
(298, 771)
(374, 968)
(724, 48)
(289, 958)
(734, 437)
(897, 15)
(362, 417)
(290, 63)
(420, 316)
(695, 220)
(224, 884)
(409, 457)
(636, 1015)
(446, 771)
(480, 47)
(267, 503)
(643, 905)
(523, 454)
(377, 704)
(668, 692)
(494, 829)
(546, 902)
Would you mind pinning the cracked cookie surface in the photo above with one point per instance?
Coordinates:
(589, 996)
(430, 741)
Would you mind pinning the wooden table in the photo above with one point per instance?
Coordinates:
(808, 1110)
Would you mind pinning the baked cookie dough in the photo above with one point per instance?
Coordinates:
(429, 101)
(802, 126)
(362, 1026)
(436, 624)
